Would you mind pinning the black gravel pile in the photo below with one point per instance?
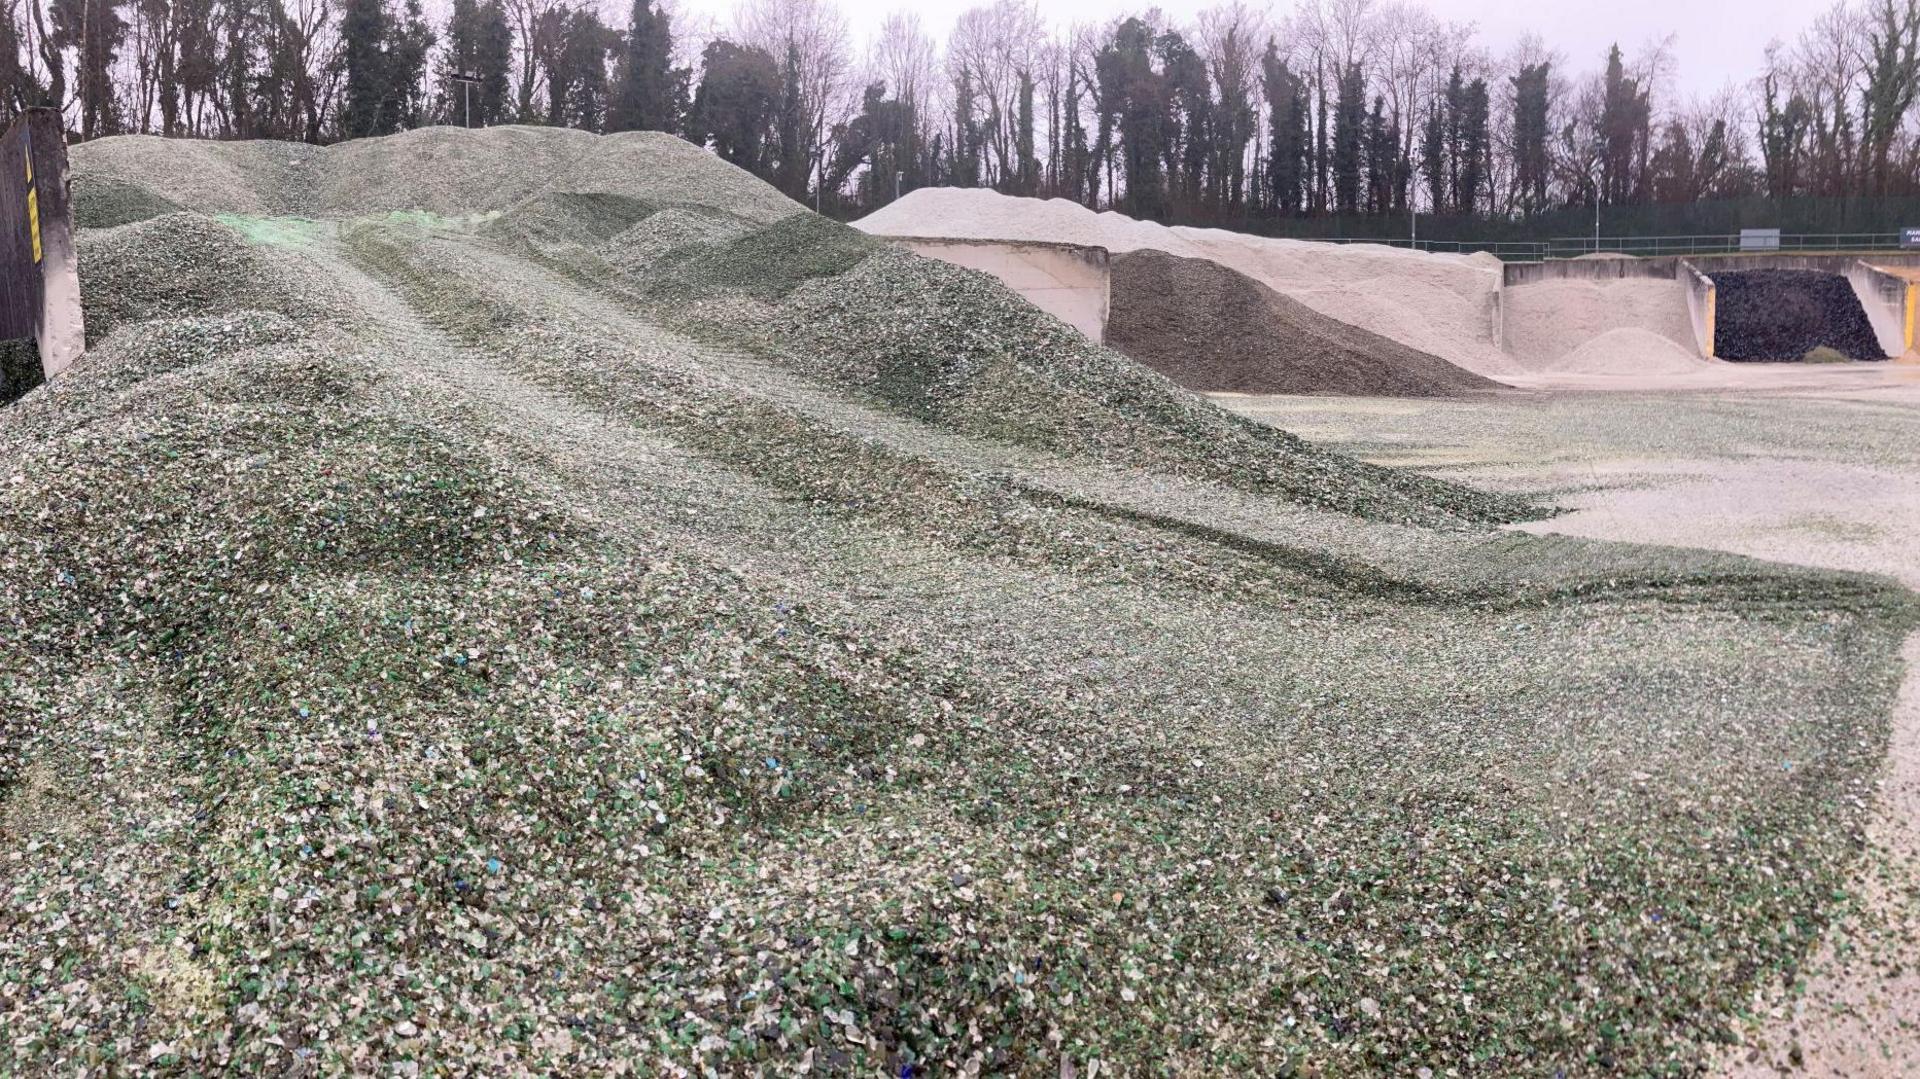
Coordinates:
(1785, 314)
(19, 369)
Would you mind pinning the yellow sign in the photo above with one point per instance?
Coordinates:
(33, 220)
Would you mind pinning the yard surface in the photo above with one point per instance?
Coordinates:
(1823, 469)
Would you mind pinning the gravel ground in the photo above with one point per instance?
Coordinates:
(1812, 476)
(789, 655)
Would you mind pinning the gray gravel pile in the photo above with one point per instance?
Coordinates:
(955, 347)
(186, 264)
(440, 170)
(500, 678)
(101, 202)
(665, 234)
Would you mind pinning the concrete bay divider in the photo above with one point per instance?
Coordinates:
(1889, 301)
(1071, 282)
(1702, 300)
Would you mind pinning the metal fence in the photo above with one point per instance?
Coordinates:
(1644, 246)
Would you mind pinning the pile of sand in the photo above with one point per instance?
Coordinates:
(1629, 350)
(1211, 328)
(1615, 326)
(1438, 304)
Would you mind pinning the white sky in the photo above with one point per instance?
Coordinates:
(1715, 41)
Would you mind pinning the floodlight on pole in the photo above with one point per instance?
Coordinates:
(1599, 150)
(467, 83)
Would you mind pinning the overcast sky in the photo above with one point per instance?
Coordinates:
(1714, 41)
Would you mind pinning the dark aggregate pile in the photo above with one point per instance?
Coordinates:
(19, 369)
(460, 667)
(1781, 315)
(1214, 329)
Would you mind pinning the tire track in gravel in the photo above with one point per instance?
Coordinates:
(1858, 1013)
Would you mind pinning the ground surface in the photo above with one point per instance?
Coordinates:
(1822, 470)
(454, 621)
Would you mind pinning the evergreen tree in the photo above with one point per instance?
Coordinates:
(478, 61)
(1476, 147)
(1287, 147)
(1028, 180)
(576, 67)
(1138, 97)
(1893, 76)
(1782, 130)
(1626, 113)
(650, 94)
(364, 28)
(1187, 134)
(1530, 161)
(1433, 156)
(405, 105)
(795, 161)
(1383, 159)
(964, 161)
(1455, 100)
(1349, 137)
(736, 103)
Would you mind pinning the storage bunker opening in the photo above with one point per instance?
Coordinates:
(1786, 315)
(41, 328)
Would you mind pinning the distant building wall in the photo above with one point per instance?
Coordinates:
(1071, 282)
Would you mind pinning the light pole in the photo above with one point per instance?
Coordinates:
(466, 82)
(1599, 148)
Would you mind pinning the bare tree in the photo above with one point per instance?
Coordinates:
(815, 34)
(995, 47)
(1231, 37)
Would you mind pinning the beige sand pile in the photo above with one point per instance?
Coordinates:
(1629, 350)
(1438, 304)
(1566, 324)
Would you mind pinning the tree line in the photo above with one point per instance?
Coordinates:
(1335, 108)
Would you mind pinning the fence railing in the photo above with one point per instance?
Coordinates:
(1643, 246)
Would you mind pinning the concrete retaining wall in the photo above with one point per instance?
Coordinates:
(1523, 273)
(1702, 299)
(1888, 299)
(1527, 273)
(1068, 281)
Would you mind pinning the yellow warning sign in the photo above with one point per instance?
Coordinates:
(33, 220)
